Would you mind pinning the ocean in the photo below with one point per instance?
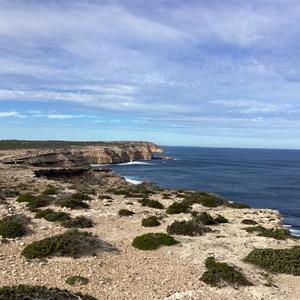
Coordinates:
(262, 178)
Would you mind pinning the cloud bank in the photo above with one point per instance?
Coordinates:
(197, 66)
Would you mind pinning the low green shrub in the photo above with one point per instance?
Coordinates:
(78, 222)
(73, 203)
(52, 216)
(152, 241)
(204, 199)
(276, 233)
(218, 274)
(151, 203)
(72, 243)
(49, 191)
(72, 280)
(285, 261)
(11, 227)
(25, 198)
(221, 219)
(39, 201)
(105, 197)
(178, 207)
(249, 222)
(190, 228)
(238, 205)
(80, 196)
(204, 218)
(125, 212)
(150, 222)
(39, 292)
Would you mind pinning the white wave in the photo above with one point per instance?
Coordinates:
(134, 163)
(99, 165)
(134, 181)
(294, 232)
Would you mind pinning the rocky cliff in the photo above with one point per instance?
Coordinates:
(114, 152)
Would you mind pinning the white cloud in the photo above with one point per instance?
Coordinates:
(63, 116)
(12, 114)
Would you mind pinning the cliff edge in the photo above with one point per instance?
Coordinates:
(75, 156)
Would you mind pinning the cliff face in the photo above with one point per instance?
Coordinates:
(80, 156)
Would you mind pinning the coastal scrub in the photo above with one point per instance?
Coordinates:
(152, 241)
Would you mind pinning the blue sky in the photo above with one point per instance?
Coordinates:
(205, 73)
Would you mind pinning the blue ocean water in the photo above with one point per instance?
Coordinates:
(262, 178)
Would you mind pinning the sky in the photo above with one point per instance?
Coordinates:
(222, 73)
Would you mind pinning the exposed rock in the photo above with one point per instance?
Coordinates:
(108, 153)
(100, 176)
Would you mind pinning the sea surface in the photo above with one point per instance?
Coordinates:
(262, 178)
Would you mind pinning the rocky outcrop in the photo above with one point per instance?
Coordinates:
(109, 153)
(83, 176)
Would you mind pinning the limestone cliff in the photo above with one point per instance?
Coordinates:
(115, 152)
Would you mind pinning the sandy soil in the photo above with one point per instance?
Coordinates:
(167, 273)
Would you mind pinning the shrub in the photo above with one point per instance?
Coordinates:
(150, 222)
(72, 280)
(49, 191)
(190, 228)
(276, 233)
(152, 241)
(73, 203)
(71, 243)
(238, 205)
(11, 227)
(276, 260)
(249, 222)
(204, 218)
(39, 292)
(125, 212)
(212, 201)
(151, 203)
(78, 222)
(221, 219)
(80, 196)
(25, 198)
(52, 216)
(178, 207)
(204, 199)
(105, 197)
(218, 274)
(39, 201)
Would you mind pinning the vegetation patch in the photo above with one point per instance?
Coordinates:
(39, 292)
(219, 274)
(105, 197)
(73, 203)
(285, 261)
(238, 205)
(221, 219)
(204, 218)
(192, 227)
(125, 212)
(52, 216)
(72, 243)
(25, 198)
(276, 233)
(77, 280)
(11, 227)
(49, 191)
(39, 201)
(178, 207)
(150, 222)
(78, 222)
(151, 203)
(249, 222)
(204, 199)
(152, 241)
(80, 196)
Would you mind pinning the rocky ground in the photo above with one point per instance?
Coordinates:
(167, 273)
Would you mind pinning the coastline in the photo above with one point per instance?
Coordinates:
(169, 272)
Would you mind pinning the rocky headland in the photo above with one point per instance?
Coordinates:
(84, 230)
